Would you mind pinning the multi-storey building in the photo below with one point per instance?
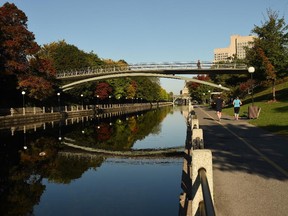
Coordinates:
(236, 48)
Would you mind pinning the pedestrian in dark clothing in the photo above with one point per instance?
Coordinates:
(219, 104)
(198, 64)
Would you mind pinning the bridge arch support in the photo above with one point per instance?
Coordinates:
(111, 76)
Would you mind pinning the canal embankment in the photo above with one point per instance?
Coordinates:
(32, 115)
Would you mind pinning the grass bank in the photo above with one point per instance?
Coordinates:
(273, 115)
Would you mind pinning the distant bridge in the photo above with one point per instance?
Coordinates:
(164, 70)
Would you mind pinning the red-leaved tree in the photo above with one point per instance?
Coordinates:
(103, 90)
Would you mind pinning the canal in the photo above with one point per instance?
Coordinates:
(95, 166)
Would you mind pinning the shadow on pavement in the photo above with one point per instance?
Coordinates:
(238, 146)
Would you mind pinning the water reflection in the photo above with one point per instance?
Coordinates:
(125, 133)
(33, 160)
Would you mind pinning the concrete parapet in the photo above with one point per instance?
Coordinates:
(200, 159)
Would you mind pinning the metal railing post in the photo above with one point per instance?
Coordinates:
(208, 203)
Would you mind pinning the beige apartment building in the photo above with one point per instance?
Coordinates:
(236, 47)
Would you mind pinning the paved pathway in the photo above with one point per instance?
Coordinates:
(250, 166)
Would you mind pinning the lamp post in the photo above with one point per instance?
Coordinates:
(204, 98)
(251, 70)
(59, 102)
(23, 100)
(110, 100)
(97, 103)
(82, 101)
(97, 96)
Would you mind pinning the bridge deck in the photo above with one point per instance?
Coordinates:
(161, 68)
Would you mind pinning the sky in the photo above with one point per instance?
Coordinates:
(147, 30)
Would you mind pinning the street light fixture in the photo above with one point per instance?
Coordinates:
(23, 100)
(59, 102)
(251, 70)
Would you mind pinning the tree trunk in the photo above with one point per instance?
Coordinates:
(274, 90)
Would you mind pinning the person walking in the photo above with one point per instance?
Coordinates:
(219, 104)
(236, 103)
(199, 64)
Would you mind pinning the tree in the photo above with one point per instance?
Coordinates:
(65, 57)
(131, 89)
(269, 70)
(39, 81)
(18, 57)
(16, 42)
(199, 91)
(269, 52)
(118, 86)
(103, 90)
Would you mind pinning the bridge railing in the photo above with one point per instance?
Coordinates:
(147, 67)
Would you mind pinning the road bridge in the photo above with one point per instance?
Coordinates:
(162, 70)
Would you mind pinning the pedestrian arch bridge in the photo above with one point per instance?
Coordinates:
(161, 70)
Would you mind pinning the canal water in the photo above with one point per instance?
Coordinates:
(94, 166)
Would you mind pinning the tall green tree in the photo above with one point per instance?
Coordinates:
(69, 57)
(270, 47)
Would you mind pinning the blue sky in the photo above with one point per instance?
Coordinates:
(146, 30)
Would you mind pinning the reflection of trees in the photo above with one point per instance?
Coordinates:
(23, 193)
(23, 186)
(68, 168)
(22, 171)
(125, 131)
(21, 181)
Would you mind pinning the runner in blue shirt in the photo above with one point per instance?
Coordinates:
(237, 103)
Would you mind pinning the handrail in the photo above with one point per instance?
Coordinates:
(100, 70)
(208, 203)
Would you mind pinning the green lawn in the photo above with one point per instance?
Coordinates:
(273, 115)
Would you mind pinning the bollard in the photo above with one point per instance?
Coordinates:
(200, 159)
(197, 139)
(12, 111)
(194, 123)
